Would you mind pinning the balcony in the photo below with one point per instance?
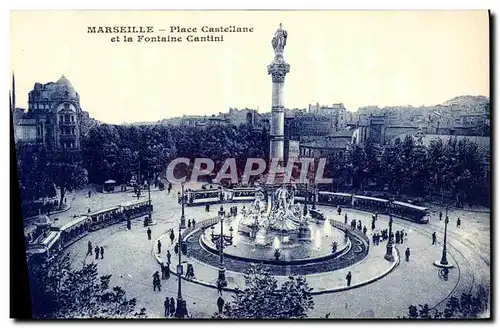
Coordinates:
(67, 123)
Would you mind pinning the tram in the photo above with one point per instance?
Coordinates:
(243, 194)
(50, 243)
(334, 198)
(364, 203)
(134, 209)
(204, 196)
(105, 217)
(75, 230)
(411, 212)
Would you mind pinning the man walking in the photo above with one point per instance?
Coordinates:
(345, 218)
(96, 252)
(129, 224)
(149, 233)
(458, 223)
(348, 278)
(168, 256)
(172, 306)
(407, 254)
(440, 215)
(166, 306)
(102, 252)
(220, 304)
(159, 246)
(434, 238)
(172, 236)
(89, 249)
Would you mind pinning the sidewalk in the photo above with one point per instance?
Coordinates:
(370, 269)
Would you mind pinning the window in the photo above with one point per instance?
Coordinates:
(72, 118)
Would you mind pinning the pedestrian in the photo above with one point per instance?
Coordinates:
(88, 210)
(172, 306)
(440, 215)
(167, 271)
(189, 224)
(402, 236)
(166, 306)
(168, 256)
(159, 246)
(172, 236)
(458, 223)
(407, 254)
(89, 248)
(176, 248)
(162, 266)
(339, 210)
(149, 233)
(194, 223)
(345, 218)
(434, 238)
(220, 304)
(156, 281)
(397, 237)
(359, 225)
(374, 238)
(96, 252)
(102, 252)
(129, 224)
(184, 248)
(364, 230)
(90, 193)
(373, 225)
(219, 287)
(348, 278)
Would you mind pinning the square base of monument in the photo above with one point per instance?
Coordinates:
(440, 265)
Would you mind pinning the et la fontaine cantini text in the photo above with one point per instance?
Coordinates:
(168, 34)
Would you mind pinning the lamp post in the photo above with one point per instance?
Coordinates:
(183, 218)
(180, 311)
(390, 243)
(314, 197)
(444, 260)
(221, 241)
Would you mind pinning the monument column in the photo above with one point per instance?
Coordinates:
(278, 69)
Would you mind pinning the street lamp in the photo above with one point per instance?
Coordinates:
(314, 197)
(444, 260)
(390, 243)
(180, 311)
(183, 218)
(221, 241)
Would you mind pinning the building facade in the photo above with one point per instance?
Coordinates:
(54, 117)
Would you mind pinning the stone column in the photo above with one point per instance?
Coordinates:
(277, 69)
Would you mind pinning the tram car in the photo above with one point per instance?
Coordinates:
(74, 230)
(204, 196)
(334, 199)
(105, 217)
(410, 212)
(373, 204)
(243, 194)
(134, 209)
(48, 244)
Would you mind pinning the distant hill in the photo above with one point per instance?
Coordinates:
(467, 101)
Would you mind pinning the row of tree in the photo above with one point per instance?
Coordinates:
(454, 168)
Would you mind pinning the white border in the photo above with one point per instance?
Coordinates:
(191, 4)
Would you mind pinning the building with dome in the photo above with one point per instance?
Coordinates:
(53, 118)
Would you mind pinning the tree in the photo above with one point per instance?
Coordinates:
(57, 291)
(261, 298)
(67, 177)
(465, 307)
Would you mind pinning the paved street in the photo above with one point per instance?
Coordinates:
(129, 258)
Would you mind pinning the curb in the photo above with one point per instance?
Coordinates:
(313, 292)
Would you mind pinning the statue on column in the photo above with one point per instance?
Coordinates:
(279, 40)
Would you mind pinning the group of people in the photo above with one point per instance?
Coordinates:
(191, 223)
(233, 210)
(98, 250)
(183, 248)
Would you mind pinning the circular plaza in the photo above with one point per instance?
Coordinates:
(132, 258)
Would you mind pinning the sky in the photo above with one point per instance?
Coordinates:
(359, 58)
